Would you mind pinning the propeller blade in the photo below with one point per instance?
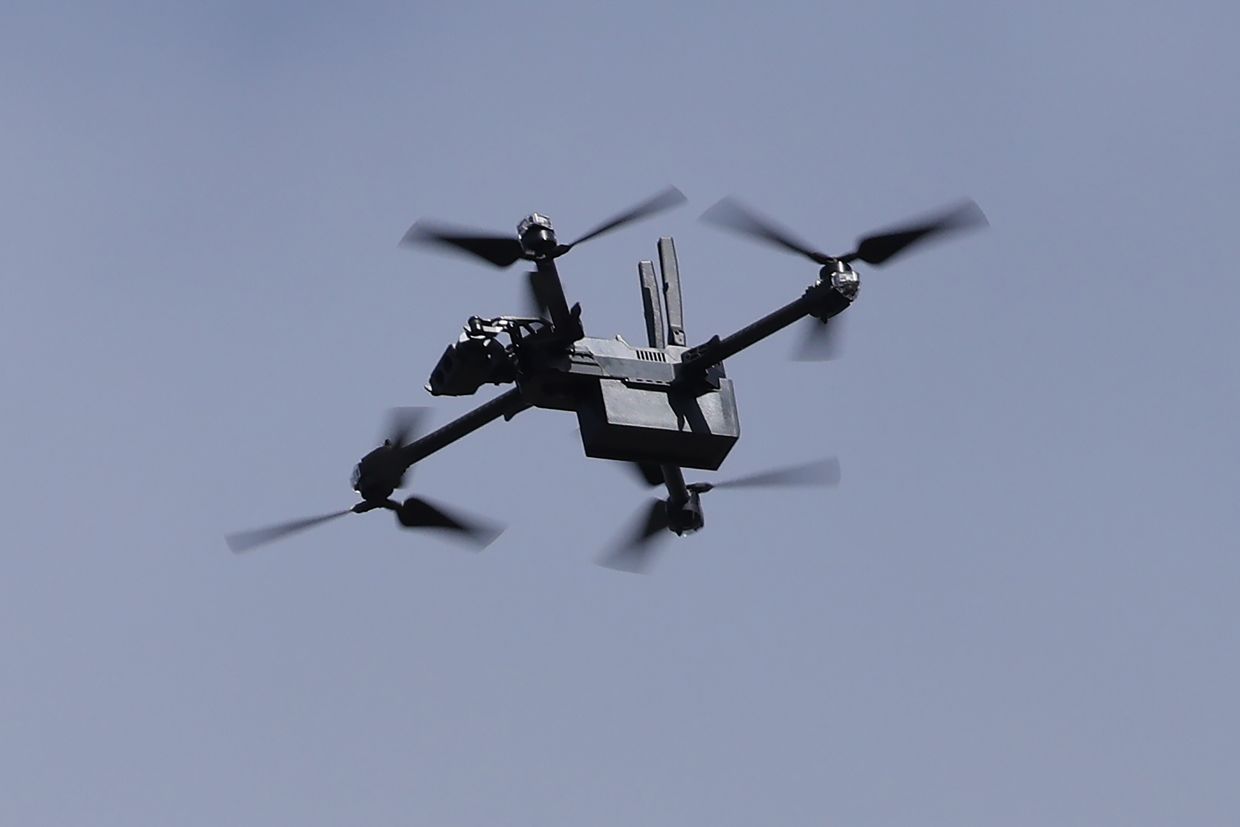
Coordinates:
(731, 214)
(246, 540)
(535, 304)
(649, 473)
(664, 200)
(502, 251)
(404, 425)
(821, 341)
(821, 472)
(634, 553)
(881, 247)
(416, 512)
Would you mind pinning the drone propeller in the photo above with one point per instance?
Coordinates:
(417, 512)
(635, 551)
(403, 426)
(639, 544)
(668, 198)
(821, 341)
(414, 512)
(504, 251)
(246, 540)
(647, 473)
(879, 248)
(818, 473)
(537, 305)
(731, 214)
(872, 249)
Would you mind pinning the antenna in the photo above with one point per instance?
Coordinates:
(671, 291)
(652, 304)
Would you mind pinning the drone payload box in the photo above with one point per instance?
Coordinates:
(636, 416)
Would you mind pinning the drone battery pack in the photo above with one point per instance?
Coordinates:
(648, 423)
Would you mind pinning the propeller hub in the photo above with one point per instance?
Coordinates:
(373, 491)
(842, 278)
(537, 235)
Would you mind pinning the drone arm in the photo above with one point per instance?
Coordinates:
(818, 299)
(674, 479)
(545, 280)
(506, 405)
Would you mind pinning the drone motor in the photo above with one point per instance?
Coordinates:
(537, 236)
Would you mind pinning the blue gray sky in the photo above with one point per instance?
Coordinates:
(1018, 608)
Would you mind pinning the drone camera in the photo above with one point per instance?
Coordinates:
(476, 358)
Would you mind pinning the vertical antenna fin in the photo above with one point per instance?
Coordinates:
(671, 291)
(652, 303)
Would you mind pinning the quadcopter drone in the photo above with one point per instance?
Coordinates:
(661, 408)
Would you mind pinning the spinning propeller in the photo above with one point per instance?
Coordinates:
(378, 474)
(822, 340)
(531, 244)
(637, 547)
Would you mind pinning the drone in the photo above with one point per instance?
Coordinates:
(660, 407)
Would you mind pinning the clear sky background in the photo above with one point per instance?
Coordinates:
(1019, 607)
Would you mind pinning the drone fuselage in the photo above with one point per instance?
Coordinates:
(665, 403)
(663, 407)
(625, 398)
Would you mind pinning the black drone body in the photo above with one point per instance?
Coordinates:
(662, 407)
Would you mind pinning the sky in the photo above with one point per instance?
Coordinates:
(1018, 607)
